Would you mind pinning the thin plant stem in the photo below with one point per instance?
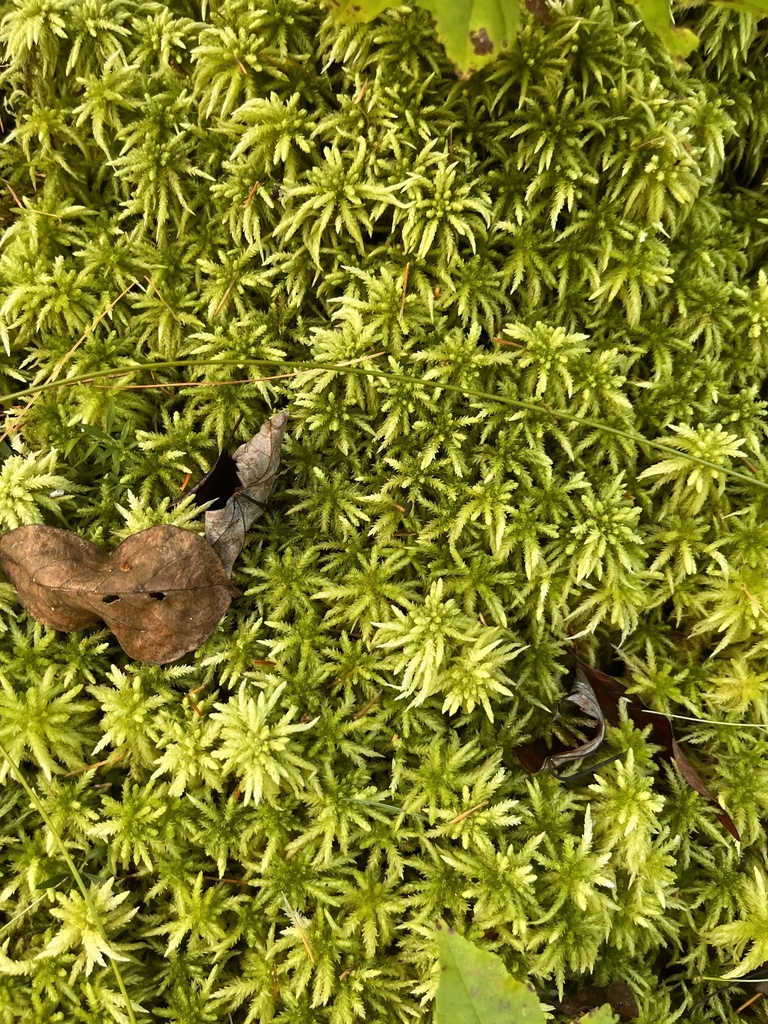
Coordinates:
(708, 721)
(21, 913)
(730, 981)
(399, 378)
(52, 377)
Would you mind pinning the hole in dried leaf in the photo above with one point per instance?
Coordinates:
(157, 595)
(110, 598)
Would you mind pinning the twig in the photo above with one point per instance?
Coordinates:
(225, 296)
(157, 293)
(297, 925)
(195, 708)
(367, 707)
(399, 378)
(466, 814)
(406, 272)
(93, 767)
(221, 383)
(229, 881)
(755, 997)
(15, 197)
(251, 194)
(755, 602)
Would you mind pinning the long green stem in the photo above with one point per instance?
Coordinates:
(399, 378)
(35, 799)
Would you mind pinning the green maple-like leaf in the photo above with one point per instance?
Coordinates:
(474, 32)
(657, 15)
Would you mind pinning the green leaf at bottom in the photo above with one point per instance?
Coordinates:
(475, 987)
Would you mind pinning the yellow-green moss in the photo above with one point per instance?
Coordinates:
(581, 226)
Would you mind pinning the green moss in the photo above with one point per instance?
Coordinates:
(582, 227)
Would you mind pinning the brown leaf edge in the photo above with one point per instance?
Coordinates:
(257, 462)
(608, 691)
(220, 482)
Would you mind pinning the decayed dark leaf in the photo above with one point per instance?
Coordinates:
(537, 755)
(161, 592)
(218, 485)
(539, 9)
(608, 691)
(257, 462)
(617, 995)
(220, 482)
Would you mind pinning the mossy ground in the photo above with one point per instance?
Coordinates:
(580, 227)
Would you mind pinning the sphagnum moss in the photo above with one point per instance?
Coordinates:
(581, 226)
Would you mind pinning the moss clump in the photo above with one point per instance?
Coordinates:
(580, 227)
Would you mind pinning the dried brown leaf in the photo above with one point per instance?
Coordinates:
(608, 691)
(257, 462)
(161, 592)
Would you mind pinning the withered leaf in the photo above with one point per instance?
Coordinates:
(540, 10)
(537, 755)
(161, 592)
(257, 462)
(608, 691)
(583, 696)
